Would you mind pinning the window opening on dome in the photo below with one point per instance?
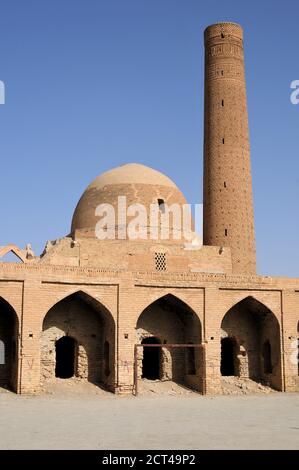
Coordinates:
(161, 204)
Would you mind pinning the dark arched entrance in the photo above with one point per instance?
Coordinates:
(151, 362)
(176, 325)
(65, 357)
(227, 357)
(256, 348)
(8, 346)
(83, 331)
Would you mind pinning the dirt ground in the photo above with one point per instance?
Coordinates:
(70, 415)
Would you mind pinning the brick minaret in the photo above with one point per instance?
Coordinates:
(228, 202)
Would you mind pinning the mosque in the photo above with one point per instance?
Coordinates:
(119, 309)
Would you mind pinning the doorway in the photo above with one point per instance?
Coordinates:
(227, 357)
(151, 363)
(65, 357)
(267, 358)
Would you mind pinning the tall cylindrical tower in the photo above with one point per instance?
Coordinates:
(228, 203)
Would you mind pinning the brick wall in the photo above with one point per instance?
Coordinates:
(33, 290)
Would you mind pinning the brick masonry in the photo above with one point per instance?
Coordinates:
(228, 202)
(117, 306)
(110, 295)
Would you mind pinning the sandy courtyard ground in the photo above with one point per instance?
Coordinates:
(101, 420)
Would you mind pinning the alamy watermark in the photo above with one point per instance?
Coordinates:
(295, 94)
(2, 92)
(156, 221)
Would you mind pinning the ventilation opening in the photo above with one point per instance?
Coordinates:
(225, 232)
(107, 358)
(222, 36)
(222, 73)
(151, 363)
(161, 204)
(191, 361)
(224, 184)
(65, 357)
(267, 358)
(222, 103)
(160, 261)
(227, 357)
(223, 140)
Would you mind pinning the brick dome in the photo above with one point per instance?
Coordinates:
(139, 183)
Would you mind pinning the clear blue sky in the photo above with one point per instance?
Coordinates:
(94, 84)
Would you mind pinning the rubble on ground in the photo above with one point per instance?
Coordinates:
(243, 386)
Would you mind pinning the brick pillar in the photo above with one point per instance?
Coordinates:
(212, 341)
(126, 338)
(30, 339)
(290, 315)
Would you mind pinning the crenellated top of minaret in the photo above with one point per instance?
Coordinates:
(222, 31)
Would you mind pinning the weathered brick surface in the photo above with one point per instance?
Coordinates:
(91, 326)
(228, 205)
(110, 295)
(250, 324)
(37, 290)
